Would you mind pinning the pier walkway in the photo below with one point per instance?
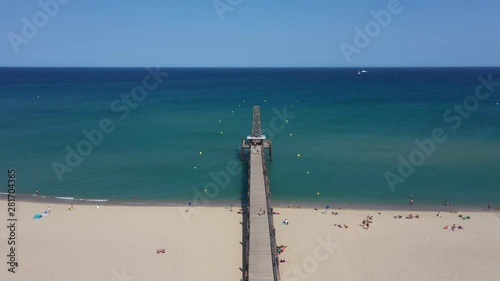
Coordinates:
(261, 253)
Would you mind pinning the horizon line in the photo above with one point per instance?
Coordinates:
(478, 66)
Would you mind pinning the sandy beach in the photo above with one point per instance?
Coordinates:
(121, 243)
(391, 249)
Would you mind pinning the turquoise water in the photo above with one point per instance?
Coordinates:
(348, 129)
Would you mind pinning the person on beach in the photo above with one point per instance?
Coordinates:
(231, 209)
(411, 202)
(438, 214)
(489, 207)
(48, 209)
(36, 192)
(98, 207)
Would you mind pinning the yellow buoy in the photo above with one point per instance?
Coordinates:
(221, 132)
(317, 193)
(220, 121)
(290, 134)
(205, 190)
(265, 100)
(298, 155)
(195, 167)
(308, 173)
(201, 153)
(286, 121)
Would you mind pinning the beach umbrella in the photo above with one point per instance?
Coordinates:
(327, 207)
(37, 216)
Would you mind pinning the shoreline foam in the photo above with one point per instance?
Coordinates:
(238, 203)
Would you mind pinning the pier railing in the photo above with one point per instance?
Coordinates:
(246, 223)
(272, 231)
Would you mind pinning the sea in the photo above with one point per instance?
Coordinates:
(339, 135)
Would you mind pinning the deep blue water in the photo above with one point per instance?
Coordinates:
(348, 129)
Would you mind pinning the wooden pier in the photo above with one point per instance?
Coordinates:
(260, 254)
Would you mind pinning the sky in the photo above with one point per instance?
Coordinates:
(249, 33)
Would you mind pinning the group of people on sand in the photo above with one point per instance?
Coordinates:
(280, 249)
(341, 225)
(366, 222)
(453, 227)
(408, 217)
